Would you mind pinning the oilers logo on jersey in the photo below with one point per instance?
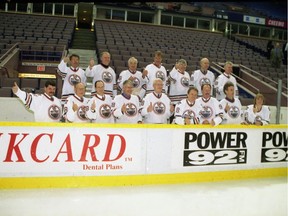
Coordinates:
(160, 75)
(54, 112)
(82, 112)
(159, 108)
(131, 109)
(204, 80)
(136, 82)
(185, 81)
(105, 111)
(107, 77)
(74, 79)
(188, 114)
(234, 112)
(206, 112)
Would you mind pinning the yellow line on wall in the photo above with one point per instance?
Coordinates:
(134, 180)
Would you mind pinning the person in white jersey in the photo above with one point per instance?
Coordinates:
(180, 82)
(46, 107)
(71, 74)
(223, 78)
(211, 110)
(154, 71)
(187, 111)
(103, 72)
(76, 107)
(257, 113)
(156, 106)
(232, 106)
(125, 107)
(202, 76)
(100, 105)
(139, 81)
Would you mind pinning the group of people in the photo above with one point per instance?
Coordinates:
(148, 96)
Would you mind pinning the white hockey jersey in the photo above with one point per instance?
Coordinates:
(185, 109)
(234, 115)
(179, 85)
(106, 74)
(210, 109)
(79, 116)
(263, 115)
(161, 108)
(153, 73)
(71, 76)
(198, 78)
(139, 84)
(45, 108)
(132, 114)
(103, 110)
(219, 85)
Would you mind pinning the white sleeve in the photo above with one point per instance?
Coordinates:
(89, 114)
(70, 114)
(178, 114)
(62, 66)
(30, 100)
(89, 72)
(117, 112)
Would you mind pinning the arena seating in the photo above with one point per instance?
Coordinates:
(40, 36)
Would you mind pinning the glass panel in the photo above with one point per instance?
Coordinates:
(278, 34)
(37, 7)
(254, 31)
(147, 17)
(11, 6)
(58, 9)
(133, 16)
(69, 10)
(118, 15)
(103, 13)
(166, 20)
(178, 21)
(243, 29)
(204, 24)
(48, 8)
(191, 23)
(22, 7)
(265, 32)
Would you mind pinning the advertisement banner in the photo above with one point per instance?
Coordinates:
(77, 150)
(40, 151)
(276, 23)
(254, 20)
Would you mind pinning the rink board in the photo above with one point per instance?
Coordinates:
(43, 155)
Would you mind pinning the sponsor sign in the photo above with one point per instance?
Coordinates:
(146, 149)
(276, 23)
(254, 20)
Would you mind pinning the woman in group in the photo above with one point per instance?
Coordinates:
(257, 113)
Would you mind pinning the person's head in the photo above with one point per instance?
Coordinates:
(181, 65)
(158, 85)
(74, 60)
(228, 67)
(79, 89)
(204, 64)
(259, 100)
(105, 58)
(50, 88)
(132, 64)
(158, 56)
(206, 90)
(99, 87)
(127, 87)
(277, 45)
(229, 90)
(192, 94)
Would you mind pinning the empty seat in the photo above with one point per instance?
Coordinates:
(9, 82)
(5, 92)
(29, 83)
